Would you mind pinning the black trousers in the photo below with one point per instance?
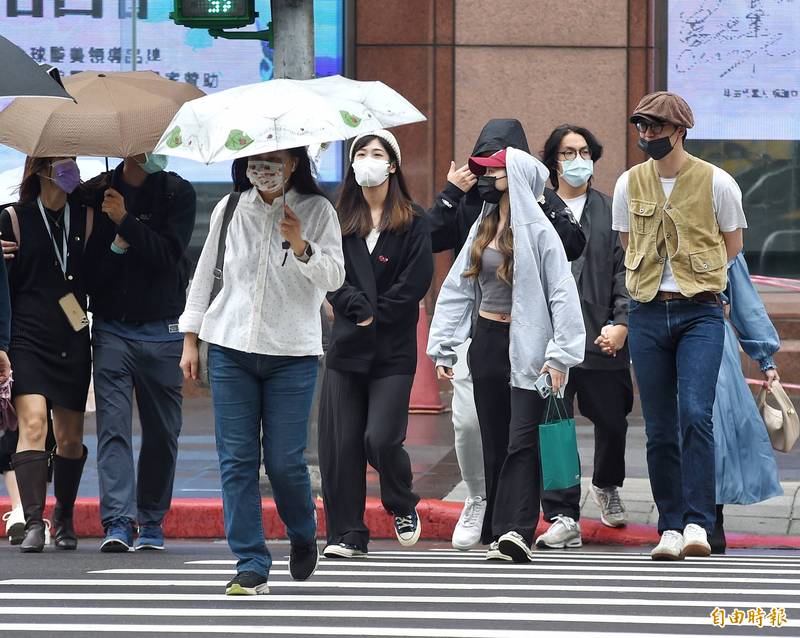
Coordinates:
(509, 420)
(605, 397)
(363, 419)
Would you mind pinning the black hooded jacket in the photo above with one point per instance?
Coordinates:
(454, 212)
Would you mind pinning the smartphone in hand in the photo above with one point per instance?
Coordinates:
(544, 385)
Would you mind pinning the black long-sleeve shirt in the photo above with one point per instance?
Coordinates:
(387, 285)
(149, 281)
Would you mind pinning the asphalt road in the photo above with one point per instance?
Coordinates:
(428, 591)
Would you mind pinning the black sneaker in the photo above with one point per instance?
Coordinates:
(344, 550)
(247, 584)
(407, 529)
(303, 560)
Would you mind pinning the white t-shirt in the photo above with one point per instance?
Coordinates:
(727, 204)
(372, 239)
(576, 205)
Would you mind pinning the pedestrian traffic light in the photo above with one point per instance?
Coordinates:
(214, 14)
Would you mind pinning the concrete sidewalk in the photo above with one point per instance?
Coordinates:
(776, 516)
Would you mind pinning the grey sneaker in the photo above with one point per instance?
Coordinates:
(564, 532)
(494, 553)
(612, 511)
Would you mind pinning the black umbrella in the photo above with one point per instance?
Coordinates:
(22, 77)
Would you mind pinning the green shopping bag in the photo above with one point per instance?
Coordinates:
(558, 448)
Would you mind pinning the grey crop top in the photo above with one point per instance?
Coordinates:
(495, 293)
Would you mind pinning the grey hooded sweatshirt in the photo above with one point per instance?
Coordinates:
(546, 319)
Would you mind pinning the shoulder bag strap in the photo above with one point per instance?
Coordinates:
(89, 225)
(233, 200)
(14, 224)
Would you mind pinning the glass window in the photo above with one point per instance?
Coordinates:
(736, 64)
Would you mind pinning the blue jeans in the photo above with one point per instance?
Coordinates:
(252, 394)
(676, 349)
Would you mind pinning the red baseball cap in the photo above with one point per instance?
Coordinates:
(478, 165)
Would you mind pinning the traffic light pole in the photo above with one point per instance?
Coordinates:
(293, 29)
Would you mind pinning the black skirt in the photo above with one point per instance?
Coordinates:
(61, 377)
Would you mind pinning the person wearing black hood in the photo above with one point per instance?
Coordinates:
(454, 211)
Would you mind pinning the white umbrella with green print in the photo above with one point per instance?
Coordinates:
(279, 114)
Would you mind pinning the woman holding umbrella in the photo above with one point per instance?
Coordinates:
(372, 356)
(49, 348)
(282, 254)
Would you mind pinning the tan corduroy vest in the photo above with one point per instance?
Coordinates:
(683, 228)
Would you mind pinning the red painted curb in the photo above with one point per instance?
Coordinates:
(202, 518)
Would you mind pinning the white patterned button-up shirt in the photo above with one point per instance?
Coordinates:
(270, 300)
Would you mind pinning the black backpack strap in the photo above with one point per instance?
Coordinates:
(233, 200)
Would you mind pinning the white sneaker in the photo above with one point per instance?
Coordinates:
(15, 525)
(467, 533)
(670, 547)
(494, 553)
(343, 550)
(612, 511)
(512, 544)
(695, 541)
(47, 539)
(564, 532)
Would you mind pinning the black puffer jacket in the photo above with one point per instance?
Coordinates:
(454, 212)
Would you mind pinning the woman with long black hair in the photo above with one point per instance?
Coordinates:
(282, 254)
(49, 349)
(372, 356)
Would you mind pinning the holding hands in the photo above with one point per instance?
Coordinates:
(612, 339)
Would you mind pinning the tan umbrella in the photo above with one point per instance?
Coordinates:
(116, 115)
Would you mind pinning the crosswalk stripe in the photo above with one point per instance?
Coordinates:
(316, 598)
(486, 565)
(577, 552)
(539, 557)
(350, 584)
(523, 574)
(361, 613)
(404, 632)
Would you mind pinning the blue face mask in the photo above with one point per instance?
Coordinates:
(576, 172)
(154, 163)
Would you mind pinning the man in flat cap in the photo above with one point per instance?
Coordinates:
(680, 220)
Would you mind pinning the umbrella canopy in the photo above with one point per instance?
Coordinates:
(22, 77)
(279, 114)
(116, 115)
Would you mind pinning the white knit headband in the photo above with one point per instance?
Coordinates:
(386, 136)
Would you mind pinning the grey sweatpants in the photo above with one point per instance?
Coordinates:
(152, 369)
(469, 450)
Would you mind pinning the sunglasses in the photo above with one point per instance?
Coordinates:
(655, 127)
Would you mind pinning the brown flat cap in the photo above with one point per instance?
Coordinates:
(664, 106)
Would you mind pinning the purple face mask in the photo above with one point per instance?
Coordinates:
(66, 175)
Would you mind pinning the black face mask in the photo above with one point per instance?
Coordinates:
(488, 191)
(658, 148)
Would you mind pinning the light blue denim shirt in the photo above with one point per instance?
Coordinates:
(757, 334)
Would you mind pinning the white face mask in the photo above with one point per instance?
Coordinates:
(370, 171)
(265, 176)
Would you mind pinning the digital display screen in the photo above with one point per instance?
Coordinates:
(737, 64)
(101, 35)
(213, 8)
